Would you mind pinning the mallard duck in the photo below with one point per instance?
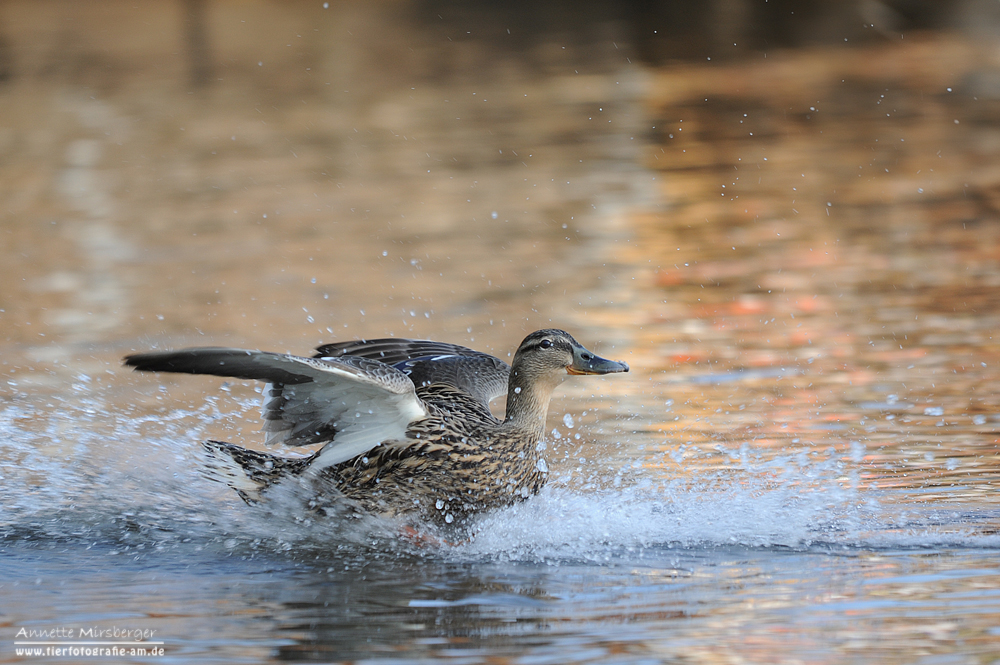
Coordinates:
(406, 423)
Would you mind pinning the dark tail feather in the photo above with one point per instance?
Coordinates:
(248, 472)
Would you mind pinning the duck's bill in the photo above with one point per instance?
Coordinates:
(594, 365)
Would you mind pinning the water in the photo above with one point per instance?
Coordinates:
(743, 554)
(800, 467)
(646, 607)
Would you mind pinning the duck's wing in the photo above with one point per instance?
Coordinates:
(479, 374)
(353, 403)
(392, 350)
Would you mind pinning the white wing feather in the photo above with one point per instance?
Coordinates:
(350, 403)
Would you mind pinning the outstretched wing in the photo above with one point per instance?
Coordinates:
(425, 362)
(352, 403)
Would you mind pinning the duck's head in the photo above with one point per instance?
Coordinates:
(542, 361)
(554, 353)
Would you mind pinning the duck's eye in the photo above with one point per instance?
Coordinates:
(545, 344)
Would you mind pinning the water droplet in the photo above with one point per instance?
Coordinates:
(517, 390)
(542, 466)
(494, 214)
(449, 518)
(439, 504)
(568, 421)
(556, 434)
(857, 451)
(934, 411)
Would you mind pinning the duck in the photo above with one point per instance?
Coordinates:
(404, 426)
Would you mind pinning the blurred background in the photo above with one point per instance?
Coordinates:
(284, 173)
(664, 179)
(786, 188)
(782, 213)
(736, 185)
(792, 191)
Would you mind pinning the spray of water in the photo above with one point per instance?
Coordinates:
(75, 473)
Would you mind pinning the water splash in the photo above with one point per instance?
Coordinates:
(75, 475)
(690, 512)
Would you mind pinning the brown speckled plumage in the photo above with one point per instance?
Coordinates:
(449, 456)
(457, 461)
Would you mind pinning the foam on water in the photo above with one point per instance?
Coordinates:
(124, 488)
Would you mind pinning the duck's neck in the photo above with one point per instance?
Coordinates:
(528, 401)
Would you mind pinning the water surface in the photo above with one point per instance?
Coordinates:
(795, 253)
